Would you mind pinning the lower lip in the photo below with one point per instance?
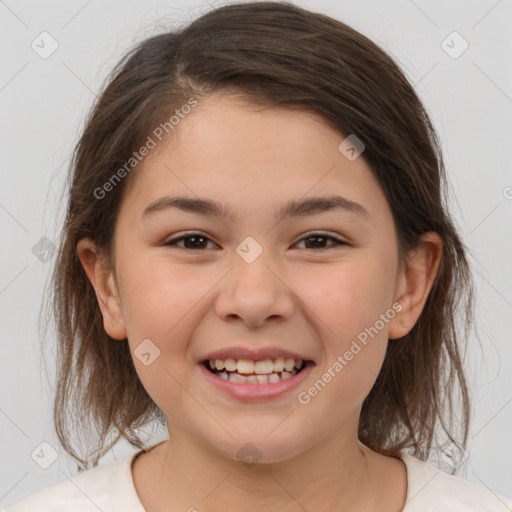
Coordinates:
(256, 391)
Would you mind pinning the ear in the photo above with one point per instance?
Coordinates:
(415, 283)
(103, 280)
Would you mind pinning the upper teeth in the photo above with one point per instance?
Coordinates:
(258, 367)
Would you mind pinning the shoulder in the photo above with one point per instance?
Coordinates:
(430, 489)
(108, 487)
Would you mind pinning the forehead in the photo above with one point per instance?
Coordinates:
(250, 158)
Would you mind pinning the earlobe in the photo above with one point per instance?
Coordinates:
(416, 283)
(102, 279)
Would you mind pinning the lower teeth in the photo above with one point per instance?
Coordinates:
(271, 378)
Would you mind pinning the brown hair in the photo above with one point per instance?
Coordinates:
(270, 54)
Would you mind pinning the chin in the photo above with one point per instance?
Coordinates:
(257, 448)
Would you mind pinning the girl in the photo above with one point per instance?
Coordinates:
(257, 253)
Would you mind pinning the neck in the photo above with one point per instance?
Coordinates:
(192, 475)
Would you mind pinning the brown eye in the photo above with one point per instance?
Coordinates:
(197, 241)
(317, 241)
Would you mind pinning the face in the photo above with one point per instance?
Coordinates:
(256, 284)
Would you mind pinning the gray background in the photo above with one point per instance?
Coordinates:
(44, 102)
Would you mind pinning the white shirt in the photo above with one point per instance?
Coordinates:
(109, 487)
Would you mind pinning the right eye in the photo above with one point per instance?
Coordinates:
(195, 237)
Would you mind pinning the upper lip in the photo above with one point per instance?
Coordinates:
(252, 354)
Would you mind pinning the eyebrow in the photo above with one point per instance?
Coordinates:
(293, 208)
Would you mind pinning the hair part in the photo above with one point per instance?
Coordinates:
(269, 54)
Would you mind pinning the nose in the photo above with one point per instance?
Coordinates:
(254, 293)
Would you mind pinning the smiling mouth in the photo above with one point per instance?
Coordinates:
(245, 371)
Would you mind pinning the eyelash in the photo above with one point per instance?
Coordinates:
(173, 241)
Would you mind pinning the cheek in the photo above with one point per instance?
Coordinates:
(354, 342)
(352, 314)
(158, 297)
(161, 303)
(347, 298)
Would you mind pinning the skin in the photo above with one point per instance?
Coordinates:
(314, 301)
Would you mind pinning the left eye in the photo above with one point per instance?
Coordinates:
(316, 236)
(199, 241)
